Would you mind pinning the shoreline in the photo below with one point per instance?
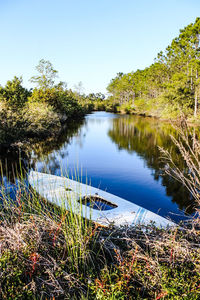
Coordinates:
(77, 259)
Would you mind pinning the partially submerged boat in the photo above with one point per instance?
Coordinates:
(95, 204)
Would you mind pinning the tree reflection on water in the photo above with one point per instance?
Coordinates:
(144, 136)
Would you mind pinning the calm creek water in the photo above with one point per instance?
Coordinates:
(119, 154)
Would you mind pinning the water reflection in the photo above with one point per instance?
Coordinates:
(16, 161)
(144, 136)
(116, 153)
(52, 151)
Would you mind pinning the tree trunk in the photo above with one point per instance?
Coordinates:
(195, 105)
(133, 99)
(196, 98)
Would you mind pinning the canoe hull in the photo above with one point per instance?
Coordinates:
(68, 193)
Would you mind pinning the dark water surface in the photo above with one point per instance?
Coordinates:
(118, 154)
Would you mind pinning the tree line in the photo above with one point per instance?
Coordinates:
(43, 110)
(171, 85)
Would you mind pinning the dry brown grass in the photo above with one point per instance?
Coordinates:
(117, 263)
(189, 147)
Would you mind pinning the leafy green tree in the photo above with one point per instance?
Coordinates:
(183, 57)
(173, 79)
(14, 94)
(47, 75)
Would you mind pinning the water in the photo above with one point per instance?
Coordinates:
(118, 154)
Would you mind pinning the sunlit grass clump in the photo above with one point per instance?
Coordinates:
(45, 250)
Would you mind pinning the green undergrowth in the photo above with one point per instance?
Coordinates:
(50, 253)
(155, 107)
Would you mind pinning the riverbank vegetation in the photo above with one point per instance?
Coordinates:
(170, 87)
(144, 136)
(40, 112)
(48, 253)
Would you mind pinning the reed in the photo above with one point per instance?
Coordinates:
(48, 252)
(50, 235)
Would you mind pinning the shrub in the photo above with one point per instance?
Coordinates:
(61, 101)
(14, 94)
(40, 119)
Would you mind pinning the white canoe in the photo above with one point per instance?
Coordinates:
(97, 205)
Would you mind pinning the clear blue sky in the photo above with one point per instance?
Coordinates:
(87, 40)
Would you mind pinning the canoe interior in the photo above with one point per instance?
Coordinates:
(97, 202)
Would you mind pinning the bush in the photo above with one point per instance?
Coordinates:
(14, 94)
(40, 119)
(32, 120)
(61, 101)
(14, 283)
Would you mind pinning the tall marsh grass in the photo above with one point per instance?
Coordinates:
(48, 252)
(48, 242)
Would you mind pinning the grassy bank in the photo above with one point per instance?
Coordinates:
(49, 253)
(156, 108)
